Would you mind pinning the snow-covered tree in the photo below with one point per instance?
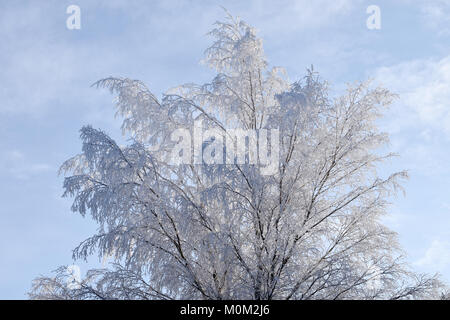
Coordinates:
(196, 230)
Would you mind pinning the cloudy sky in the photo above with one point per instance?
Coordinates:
(45, 98)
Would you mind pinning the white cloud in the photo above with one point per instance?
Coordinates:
(419, 121)
(423, 86)
(301, 15)
(437, 15)
(43, 63)
(16, 164)
(46, 66)
(437, 256)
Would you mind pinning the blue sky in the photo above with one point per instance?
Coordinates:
(45, 98)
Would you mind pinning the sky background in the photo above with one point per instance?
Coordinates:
(45, 98)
